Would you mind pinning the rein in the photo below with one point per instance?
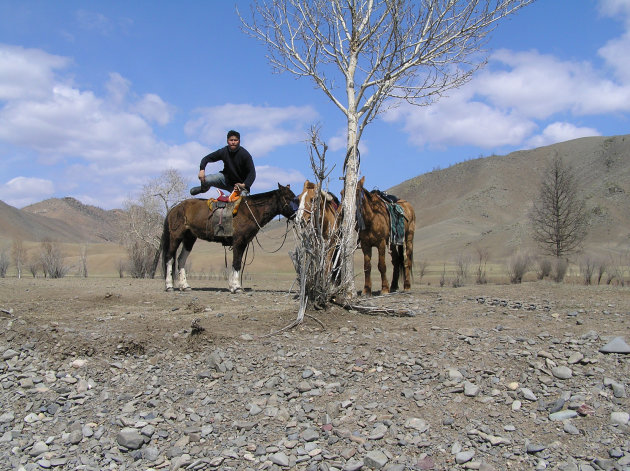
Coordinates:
(284, 238)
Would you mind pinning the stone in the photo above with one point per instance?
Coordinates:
(562, 372)
(375, 459)
(616, 345)
(619, 418)
(464, 456)
(130, 438)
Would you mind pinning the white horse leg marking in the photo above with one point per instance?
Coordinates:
(169, 274)
(233, 281)
(183, 282)
(301, 209)
(181, 263)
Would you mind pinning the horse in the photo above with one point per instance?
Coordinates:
(328, 218)
(329, 209)
(190, 220)
(373, 211)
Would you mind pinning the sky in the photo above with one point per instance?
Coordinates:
(98, 99)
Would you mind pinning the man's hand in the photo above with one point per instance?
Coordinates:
(239, 186)
(202, 176)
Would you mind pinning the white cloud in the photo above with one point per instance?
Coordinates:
(262, 128)
(153, 108)
(560, 132)
(268, 177)
(516, 95)
(27, 73)
(460, 120)
(22, 191)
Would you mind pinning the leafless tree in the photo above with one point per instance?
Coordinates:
(4, 262)
(52, 260)
(317, 250)
(559, 218)
(587, 269)
(83, 269)
(544, 267)
(34, 266)
(517, 266)
(19, 256)
(364, 54)
(145, 218)
(421, 269)
(482, 261)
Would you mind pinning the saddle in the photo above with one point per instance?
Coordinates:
(396, 217)
(222, 212)
(221, 201)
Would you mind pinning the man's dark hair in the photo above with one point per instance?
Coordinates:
(232, 132)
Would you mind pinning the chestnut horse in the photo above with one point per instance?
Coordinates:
(328, 218)
(330, 208)
(189, 220)
(373, 211)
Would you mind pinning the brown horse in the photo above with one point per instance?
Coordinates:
(328, 218)
(190, 220)
(376, 232)
(329, 211)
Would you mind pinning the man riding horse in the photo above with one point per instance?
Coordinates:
(238, 172)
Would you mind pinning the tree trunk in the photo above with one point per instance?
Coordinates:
(349, 209)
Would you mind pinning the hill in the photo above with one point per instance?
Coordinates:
(60, 219)
(484, 203)
(89, 223)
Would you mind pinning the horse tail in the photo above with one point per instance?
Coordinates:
(165, 243)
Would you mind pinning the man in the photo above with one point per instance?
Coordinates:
(238, 168)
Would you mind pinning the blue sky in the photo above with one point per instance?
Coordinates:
(97, 98)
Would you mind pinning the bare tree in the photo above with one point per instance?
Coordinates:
(19, 256)
(382, 51)
(83, 269)
(317, 249)
(517, 266)
(145, 218)
(559, 218)
(52, 260)
(4, 262)
(482, 258)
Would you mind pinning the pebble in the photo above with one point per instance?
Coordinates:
(323, 402)
(616, 345)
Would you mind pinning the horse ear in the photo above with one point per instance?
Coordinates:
(362, 181)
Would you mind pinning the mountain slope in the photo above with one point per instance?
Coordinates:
(484, 203)
(61, 220)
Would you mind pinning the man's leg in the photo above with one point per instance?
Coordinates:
(216, 180)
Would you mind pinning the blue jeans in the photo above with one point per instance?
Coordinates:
(218, 180)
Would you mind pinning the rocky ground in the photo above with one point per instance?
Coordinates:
(117, 374)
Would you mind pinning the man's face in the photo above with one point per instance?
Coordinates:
(233, 143)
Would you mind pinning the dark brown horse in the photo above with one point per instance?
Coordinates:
(190, 220)
(376, 232)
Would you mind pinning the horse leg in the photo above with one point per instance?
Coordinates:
(169, 260)
(169, 272)
(396, 263)
(367, 270)
(189, 241)
(234, 280)
(382, 267)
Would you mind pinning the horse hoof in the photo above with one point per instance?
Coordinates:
(236, 291)
(185, 288)
(168, 289)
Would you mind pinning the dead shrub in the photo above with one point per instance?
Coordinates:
(517, 266)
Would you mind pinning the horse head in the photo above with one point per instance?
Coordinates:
(288, 201)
